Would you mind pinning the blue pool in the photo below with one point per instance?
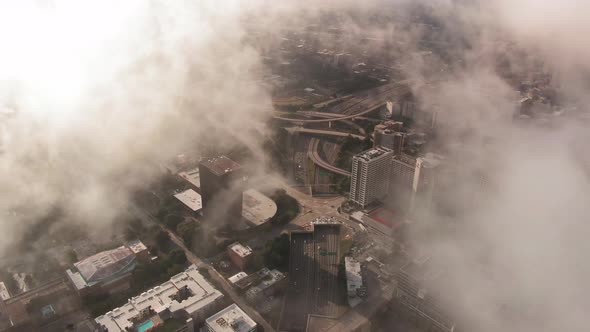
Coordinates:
(148, 324)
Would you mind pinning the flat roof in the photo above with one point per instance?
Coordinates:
(191, 199)
(373, 153)
(220, 165)
(105, 264)
(354, 279)
(4, 294)
(231, 319)
(192, 176)
(240, 249)
(159, 298)
(136, 246)
(237, 277)
(257, 208)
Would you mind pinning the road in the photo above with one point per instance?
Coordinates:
(219, 279)
(324, 132)
(362, 105)
(314, 155)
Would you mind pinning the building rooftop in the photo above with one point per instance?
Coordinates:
(354, 279)
(192, 176)
(231, 319)
(237, 277)
(4, 294)
(373, 153)
(106, 264)
(136, 246)
(257, 208)
(199, 293)
(191, 199)
(220, 165)
(240, 249)
(431, 160)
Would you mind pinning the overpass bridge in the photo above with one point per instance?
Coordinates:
(322, 132)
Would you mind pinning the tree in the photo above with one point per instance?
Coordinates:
(162, 239)
(177, 256)
(186, 230)
(276, 252)
(171, 221)
(71, 256)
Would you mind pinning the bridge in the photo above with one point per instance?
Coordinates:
(314, 155)
(323, 132)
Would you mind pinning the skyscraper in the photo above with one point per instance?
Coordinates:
(370, 175)
(389, 135)
(221, 187)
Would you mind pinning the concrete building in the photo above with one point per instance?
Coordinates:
(370, 175)
(239, 254)
(270, 282)
(103, 272)
(257, 208)
(231, 319)
(403, 168)
(193, 177)
(313, 275)
(4, 294)
(354, 281)
(221, 187)
(424, 185)
(191, 199)
(417, 299)
(389, 135)
(187, 298)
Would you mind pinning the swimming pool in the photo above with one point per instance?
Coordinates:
(148, 324)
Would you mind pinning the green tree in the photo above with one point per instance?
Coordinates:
(276, 252)
(186, 230)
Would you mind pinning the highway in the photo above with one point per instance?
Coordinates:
(365, 105)
(219, 279)
(324, 132)
(314, 155)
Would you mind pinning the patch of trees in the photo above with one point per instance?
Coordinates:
(287, 207)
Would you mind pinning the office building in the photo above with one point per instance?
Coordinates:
(191, 200)
(312, 288)
(425, 184)
(403, 168)
(231, 319)
(370, 175)
(389, 135)
(418, 300)
(107, 270)
(221, 187)
(185, 301)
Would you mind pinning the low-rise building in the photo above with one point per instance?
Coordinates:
(231, 319)
(354, 280)
(186, 297)
(270, 282)
(239, 254)
(104, 271)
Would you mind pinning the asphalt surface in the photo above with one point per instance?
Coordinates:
(314, 155)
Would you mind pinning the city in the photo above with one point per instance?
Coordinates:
(309, 166)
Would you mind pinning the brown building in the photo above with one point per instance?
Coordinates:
(239, 254)
(221, 187)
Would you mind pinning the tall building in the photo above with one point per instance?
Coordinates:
(417, 298)
(370, 175)
(231, 319)
(313, 290)
(389, 135)
(425, 184)
(221, 187)
(239, 254)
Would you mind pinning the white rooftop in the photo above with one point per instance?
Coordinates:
(240, 249)
(230, 319)
(191, 199)
(192, 176)
(257, 208)
(161, 297)
(4, 294)
(354, 279)
(136, 246)
(237, 277)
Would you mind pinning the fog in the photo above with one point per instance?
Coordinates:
(93, 96)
